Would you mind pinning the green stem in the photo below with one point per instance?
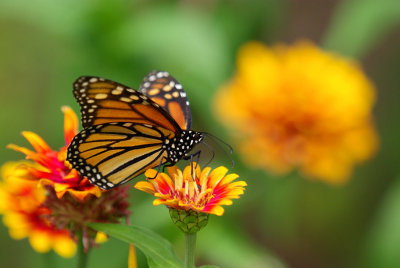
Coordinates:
(49, 260)
(82, 255)
(190, 247)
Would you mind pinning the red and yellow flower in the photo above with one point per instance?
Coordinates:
(53, 169)
(300, 107)
(205, 191)
(53, 202)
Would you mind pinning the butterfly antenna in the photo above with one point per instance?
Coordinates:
(223, 142)
(212, 151)
(220, 140)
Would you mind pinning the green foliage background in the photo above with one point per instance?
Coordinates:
(287, 222)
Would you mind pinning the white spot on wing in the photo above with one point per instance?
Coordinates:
(125, 99)
(134, 97)
(100, 96)
(117, 91)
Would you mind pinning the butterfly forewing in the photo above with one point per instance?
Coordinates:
(112, 153)
(166, 91)
(105, 101)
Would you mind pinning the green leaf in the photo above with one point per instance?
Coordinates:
(158, 250)
(358, 25)
(209, 266)
(382, 245)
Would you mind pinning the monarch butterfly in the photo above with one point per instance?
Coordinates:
(126, 131)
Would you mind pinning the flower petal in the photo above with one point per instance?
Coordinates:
(20, 149)
(229, 178)
(132, 262)
(70, 124)
(216, 175)
(101, 237)
(37, 142)
(151, 173)
(40, 241)
(187, 172)
(216, 210)
(145, 187)
(204, 175)
(64, 246)
(172, 171)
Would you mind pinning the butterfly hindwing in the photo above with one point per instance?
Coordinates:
(166, 91)
(112, 153)
(105, 101)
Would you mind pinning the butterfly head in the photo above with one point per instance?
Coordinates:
(179, 147)
(197, 137)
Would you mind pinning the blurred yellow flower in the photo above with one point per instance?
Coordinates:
(299, 107)
(21, 205)
(206, 193)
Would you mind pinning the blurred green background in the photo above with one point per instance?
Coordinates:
(287, 222)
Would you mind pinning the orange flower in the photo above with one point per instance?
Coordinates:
(67, 200)
(206, 193)
(300, 107)
(21, 205)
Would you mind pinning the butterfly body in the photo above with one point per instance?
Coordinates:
(126, 132)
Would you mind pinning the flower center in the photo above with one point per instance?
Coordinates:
(190, 193)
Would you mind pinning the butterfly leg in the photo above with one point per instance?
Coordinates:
(159, 167)
(167, 165)
(197, 154)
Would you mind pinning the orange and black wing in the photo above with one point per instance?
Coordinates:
(113, 153)
(165, 90)
(105, 101)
